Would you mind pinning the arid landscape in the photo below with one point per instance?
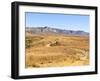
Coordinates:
(47, 48)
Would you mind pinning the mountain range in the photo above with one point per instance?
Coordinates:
(50, 30)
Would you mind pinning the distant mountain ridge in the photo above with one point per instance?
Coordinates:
(49, 30)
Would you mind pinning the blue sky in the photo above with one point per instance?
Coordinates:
(61, 21)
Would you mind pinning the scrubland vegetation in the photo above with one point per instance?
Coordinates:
(56, 50)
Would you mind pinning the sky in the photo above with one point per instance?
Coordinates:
(61, 21)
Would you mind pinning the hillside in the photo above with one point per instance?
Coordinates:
(51, 47)
(49, 30)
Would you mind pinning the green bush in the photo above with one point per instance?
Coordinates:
(28, 42)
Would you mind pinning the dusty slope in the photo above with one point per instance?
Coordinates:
(56, 50)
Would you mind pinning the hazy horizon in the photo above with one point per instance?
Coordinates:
(57, 28)
(59, 21)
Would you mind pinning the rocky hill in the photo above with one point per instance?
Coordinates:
(50, 30)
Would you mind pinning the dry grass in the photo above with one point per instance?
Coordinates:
(56, 51)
